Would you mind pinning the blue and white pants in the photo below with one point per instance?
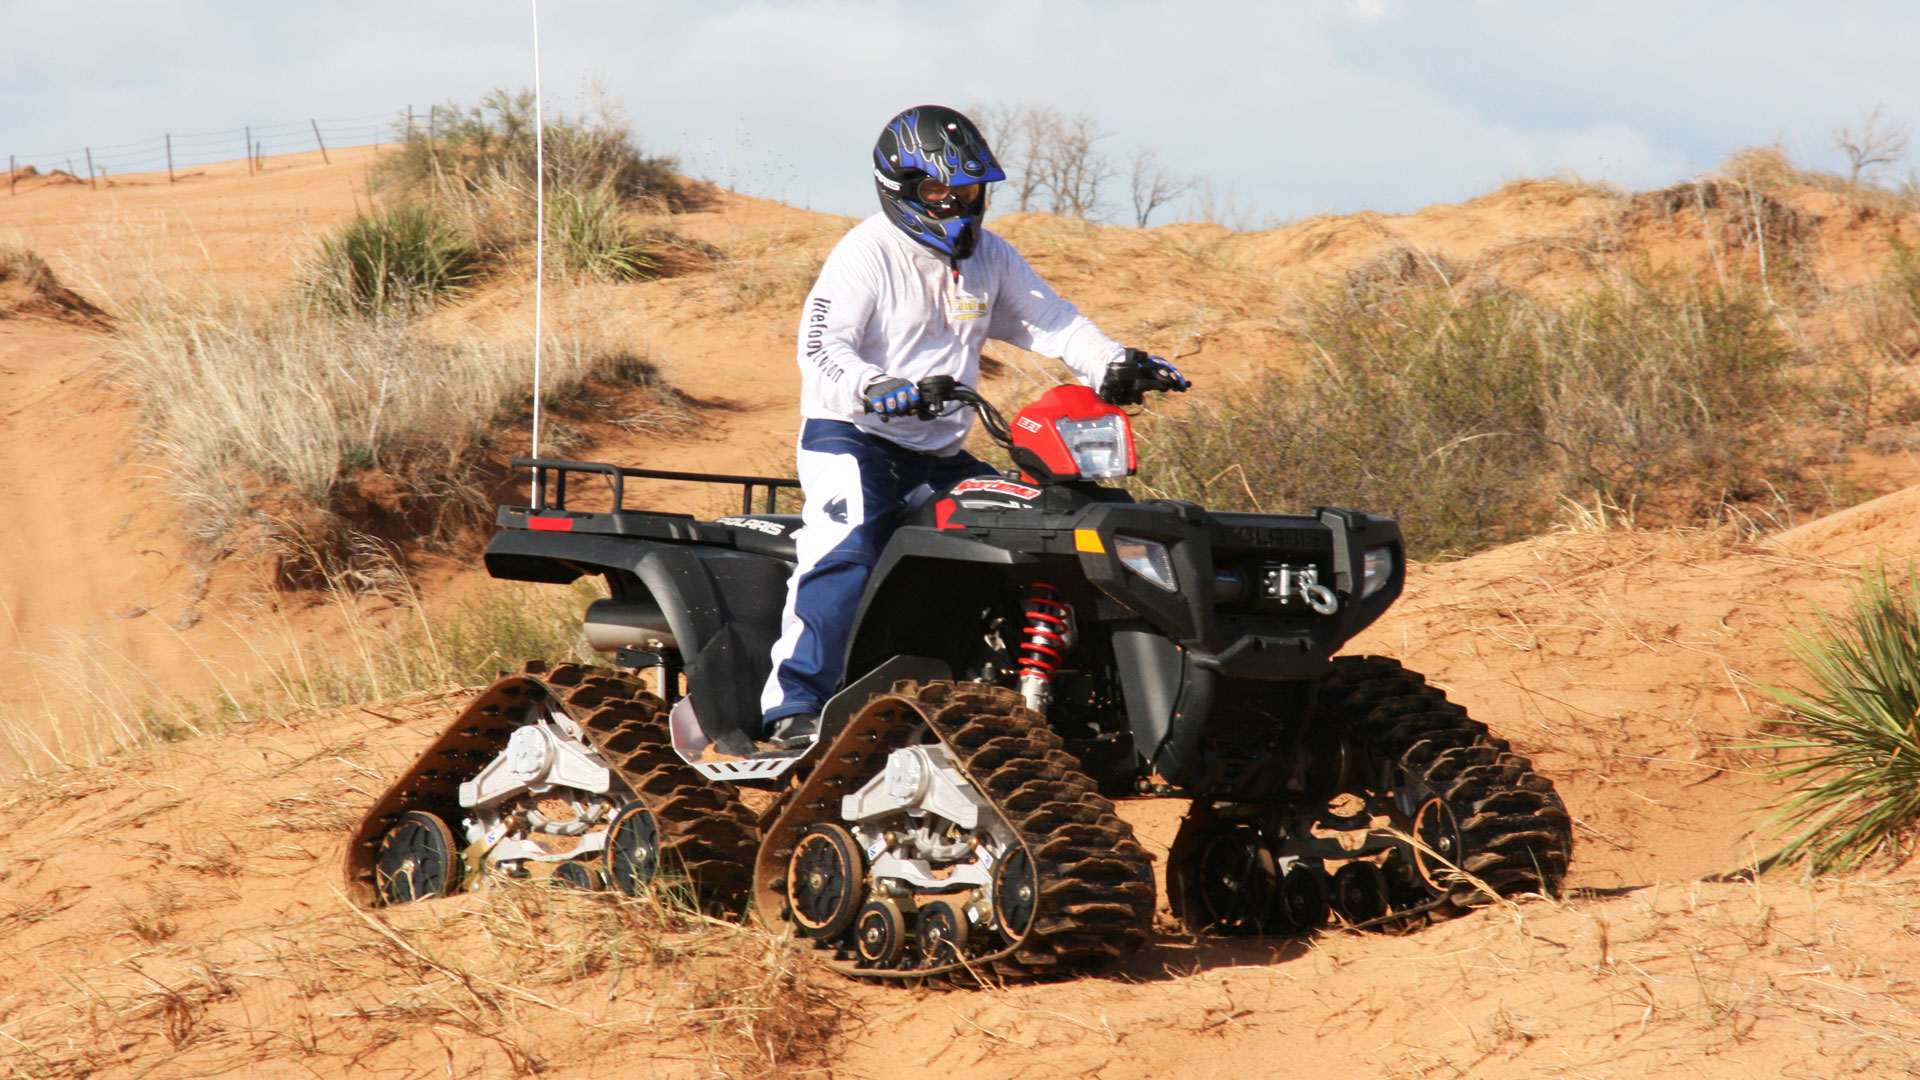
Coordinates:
(857, 488)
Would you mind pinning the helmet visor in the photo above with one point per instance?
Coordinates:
(944, 200)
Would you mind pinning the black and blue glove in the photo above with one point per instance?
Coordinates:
(1155, 373)
(1128, 379)
(892, 397)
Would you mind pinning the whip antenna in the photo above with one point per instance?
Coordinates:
(539, 230)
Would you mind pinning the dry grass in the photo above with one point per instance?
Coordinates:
(91, 707)
(1770, 169)
(285, 420)
(1466, 414)
(29, 286)
(224, 942)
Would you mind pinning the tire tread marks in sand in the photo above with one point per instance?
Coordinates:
(1515, 832)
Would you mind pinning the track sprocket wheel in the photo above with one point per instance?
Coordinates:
(1509, 830)
(417, 859)
(826, 881)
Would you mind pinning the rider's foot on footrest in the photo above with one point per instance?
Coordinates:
(795, 732)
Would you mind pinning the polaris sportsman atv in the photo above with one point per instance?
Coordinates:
(1027, 649)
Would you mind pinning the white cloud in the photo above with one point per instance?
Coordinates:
(1333, 105)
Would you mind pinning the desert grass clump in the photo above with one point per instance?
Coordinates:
(398, 259)
(29, 285)
(281, 415)
(469, 642)
(1469, 415)
(1769, 168)
(591, 238)
(491, 146)
(1850, 745)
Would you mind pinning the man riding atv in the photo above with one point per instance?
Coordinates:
(911, 292)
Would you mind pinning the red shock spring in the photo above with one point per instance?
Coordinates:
(1045, 636)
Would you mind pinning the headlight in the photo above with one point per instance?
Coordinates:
(1379, 568)
(1146, 558)
(1098, 446)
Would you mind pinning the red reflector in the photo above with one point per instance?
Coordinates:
(544, 524)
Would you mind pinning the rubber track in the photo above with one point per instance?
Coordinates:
(704, 828)
(1514, 829)
(1095, 880)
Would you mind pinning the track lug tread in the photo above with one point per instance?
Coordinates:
(1096, 896)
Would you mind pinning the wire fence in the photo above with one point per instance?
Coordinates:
(175, 151)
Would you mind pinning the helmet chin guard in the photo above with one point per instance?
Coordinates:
(933, 142)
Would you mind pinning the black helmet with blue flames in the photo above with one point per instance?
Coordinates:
(931, 166)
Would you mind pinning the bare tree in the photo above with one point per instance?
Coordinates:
(1050, 158)
(1153, 186)
(1074, 168)
(1874, 142)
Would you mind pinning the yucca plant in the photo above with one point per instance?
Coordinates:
(590, 237)
(1850, 751)
(397, 259)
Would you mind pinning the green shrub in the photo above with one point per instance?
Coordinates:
(1659, 388)
(1468, 417)
(397, 259)
(1852, 743)
(587, 236)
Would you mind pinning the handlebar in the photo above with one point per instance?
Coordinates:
(1123, 386)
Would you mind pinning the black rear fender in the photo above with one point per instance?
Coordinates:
(723, 607)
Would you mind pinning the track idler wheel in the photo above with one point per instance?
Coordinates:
(1236, 880)
(1015, 892)
(1360, 893)
(1302, 904)
(633, 850)
(575, 875)
(941, 932)
(880, 935)
(417, 860)
(1436, 856)
(825, 882)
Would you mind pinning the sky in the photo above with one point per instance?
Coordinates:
(1286, 109)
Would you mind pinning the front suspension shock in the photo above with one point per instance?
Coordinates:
(1049, 625)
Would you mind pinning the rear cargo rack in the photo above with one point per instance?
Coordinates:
(550, 474)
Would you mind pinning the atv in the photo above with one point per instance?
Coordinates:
(1029, 647)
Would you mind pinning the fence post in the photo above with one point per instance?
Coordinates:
(13, 174)
(90, 182)
(169, 159)
(316, 138)
(247, 133)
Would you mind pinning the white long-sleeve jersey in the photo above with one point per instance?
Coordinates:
(886, 306)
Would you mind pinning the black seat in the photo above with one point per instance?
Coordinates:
(763, 534)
